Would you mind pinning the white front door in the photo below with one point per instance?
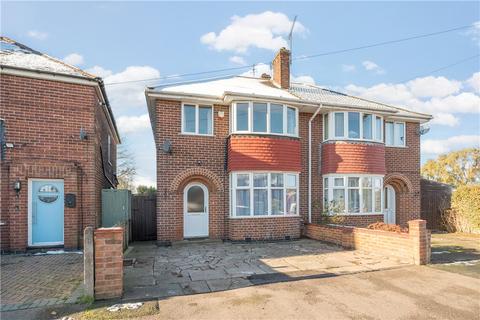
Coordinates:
(389, 210)
(195, 218)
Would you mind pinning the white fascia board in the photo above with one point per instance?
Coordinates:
(408, 119)
(180, 96)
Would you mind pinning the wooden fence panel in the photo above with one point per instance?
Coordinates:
(144, 218)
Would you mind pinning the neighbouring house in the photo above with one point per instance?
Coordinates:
(58, 149)
(245, 158)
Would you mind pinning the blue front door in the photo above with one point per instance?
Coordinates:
(47, 212)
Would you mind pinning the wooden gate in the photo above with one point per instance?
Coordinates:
(144, 218)
(435, 199)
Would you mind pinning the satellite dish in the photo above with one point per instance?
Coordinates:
(423, 129)
(167, 146)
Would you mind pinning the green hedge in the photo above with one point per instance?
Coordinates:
(464, 216)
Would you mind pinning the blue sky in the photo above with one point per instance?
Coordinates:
(124, 41)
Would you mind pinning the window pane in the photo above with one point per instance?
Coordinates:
(195, 199)
(325, 199)
(367, 126)
(260, 180)
(260, 117)
(367, 182)
(354, 125)
(325, 182)
(377, 182)
(277, 201)
(291, 201)
(260, 202)
(243, 202)
(339, 125)
(242, 116)
(338, 200)
(378, 200)
(291, 181)
(399, 134)
(389, 133)
(189, 118)
(277, 179)
(353, 182)
(367, 200)
(205, 120)
(291, 120)
(243, 180)
(353, 201)
(325, 127)
(276, 118)
(338, 182)
(378, 129)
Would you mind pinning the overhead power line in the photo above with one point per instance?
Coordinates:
(301, 57)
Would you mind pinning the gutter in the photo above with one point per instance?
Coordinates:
(310, 163)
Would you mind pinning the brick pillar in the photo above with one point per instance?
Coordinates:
(108, 263)
(420, 238)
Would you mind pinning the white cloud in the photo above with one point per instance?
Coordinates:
(372, 66)
(474, 82)
(265, 30)
(474, 32)
(434, 86)
(38, 35)
(446, 119)
(144, 181)
(303, 79)
(99, 71)
(130, 124)
(74, 59)
(348, 68)
(431, 146)
(238, 60)
(131, 94)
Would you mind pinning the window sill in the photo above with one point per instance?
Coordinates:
(264, 134)
(353, 140)
(357, 214)
(196, 134)
(401, 147)
(263, 217)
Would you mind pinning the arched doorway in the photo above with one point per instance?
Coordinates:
(195, 204)
(389, 205)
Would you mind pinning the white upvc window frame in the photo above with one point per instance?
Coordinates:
(109, 149)
(268, 126)
(197, 119)
(233, 184)
(332, 126)
(330, 187)
(394, 123)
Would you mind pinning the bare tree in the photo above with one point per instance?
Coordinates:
(126, 166)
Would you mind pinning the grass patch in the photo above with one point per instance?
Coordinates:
(100, 312)
(86, 299)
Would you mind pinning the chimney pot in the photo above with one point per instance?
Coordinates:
(281, 68)
(266, 76)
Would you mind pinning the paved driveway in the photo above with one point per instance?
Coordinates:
(189, 268)
(29, 281)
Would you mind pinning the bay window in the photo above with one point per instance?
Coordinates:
(341, 125)
(197, 119)
(352, 194)
(256, 194)
(264, 118)
(395, 134)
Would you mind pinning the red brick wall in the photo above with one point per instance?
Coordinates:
(263, 153)
(353, 157)
(108, 253)
(281, 68)
(43, 120)
(264, 228)
(413, 247)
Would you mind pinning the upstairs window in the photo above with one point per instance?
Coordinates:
(197, 119)
(264, 118)
(352, 125)
(395, 134)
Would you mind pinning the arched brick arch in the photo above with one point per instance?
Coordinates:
(209, 178)
(399, 181)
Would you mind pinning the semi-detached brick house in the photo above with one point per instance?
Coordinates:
(254, 158)
(58, 149)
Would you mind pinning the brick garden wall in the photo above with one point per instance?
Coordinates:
(413, 246)
(43, 119)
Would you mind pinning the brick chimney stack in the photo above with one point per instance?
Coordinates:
(281, 68)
